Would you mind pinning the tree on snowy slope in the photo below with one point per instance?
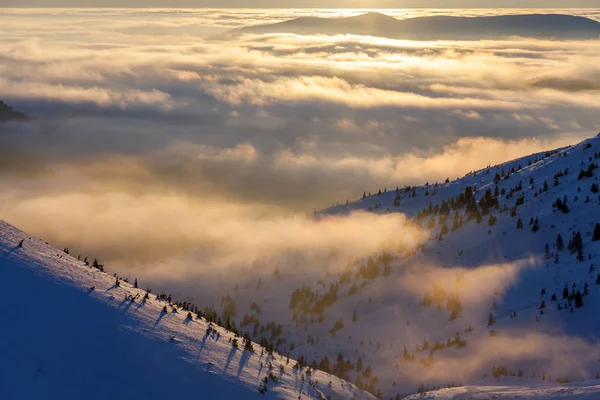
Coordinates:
(560, 245)
(576, 243)
(578, 299)
(596, 235)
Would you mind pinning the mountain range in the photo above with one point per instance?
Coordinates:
(541, 26)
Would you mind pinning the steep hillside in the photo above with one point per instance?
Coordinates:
(71, 331)
(491, 291)
(494, 291)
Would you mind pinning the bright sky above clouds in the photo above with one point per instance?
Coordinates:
(302, 3)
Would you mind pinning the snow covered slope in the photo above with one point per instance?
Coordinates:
(69, 332)
(489, 292)
(488, 299)
(589, 390)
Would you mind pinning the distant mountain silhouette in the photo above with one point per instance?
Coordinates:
(7, 113)
(546, 26)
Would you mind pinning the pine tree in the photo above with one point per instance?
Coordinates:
(560, 245)
(596, 235)
(580, 256)
(535, 226)
(578, 299)
(576, 243)
(519, 223)
(491, 320)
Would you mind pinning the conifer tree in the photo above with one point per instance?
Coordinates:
(560, 245)
(596, 235)
(578, 299)
(535, 226)
(580, 256)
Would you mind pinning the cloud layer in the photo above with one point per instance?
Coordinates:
(141, 107)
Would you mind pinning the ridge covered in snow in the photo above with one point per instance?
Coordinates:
(71, 331)
(496, 293)
(486, 291)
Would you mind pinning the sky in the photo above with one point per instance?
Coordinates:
(304, 3)
(146, 131)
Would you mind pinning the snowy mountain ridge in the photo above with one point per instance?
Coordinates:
(75, 332)
(499, 300)
(490, 291)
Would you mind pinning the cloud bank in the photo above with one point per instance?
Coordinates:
(142, 121)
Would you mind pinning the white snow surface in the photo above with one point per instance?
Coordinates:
(59, 339)
(588, 390)
(63, 341)
(564, 343)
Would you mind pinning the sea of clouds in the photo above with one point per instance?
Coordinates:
(148, 136)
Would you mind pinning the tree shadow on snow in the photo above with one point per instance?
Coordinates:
(201, 348)
(11, 250)
(112, 288)
(260, 369)
(161, 316)
(229, 358)
(140, 304)
(127, 306)
(243, 362)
